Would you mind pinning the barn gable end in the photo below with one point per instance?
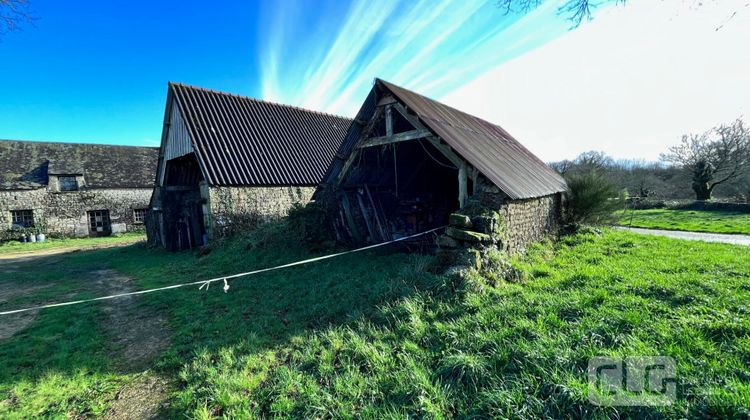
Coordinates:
(408, 162)
(229, 162)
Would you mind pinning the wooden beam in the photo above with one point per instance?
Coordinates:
(388, 120)
(395, 138)
(434, 140)
(386, 100)
(446, 151)
(413, 120)
(354, 153)
(463, 193)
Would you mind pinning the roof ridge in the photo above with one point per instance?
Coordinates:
(78, 143)
(263, 101)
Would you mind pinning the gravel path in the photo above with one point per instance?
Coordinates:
(693, 236)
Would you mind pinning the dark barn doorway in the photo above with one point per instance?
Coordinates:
(397, 190)
(183, 217)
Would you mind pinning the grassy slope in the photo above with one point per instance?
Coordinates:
(688, 220)
(375, 334)
(13, 247)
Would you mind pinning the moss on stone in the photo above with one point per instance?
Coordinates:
(468, 236)
(460, 221)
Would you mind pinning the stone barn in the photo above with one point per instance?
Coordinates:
(409, 162)
(229, 162)
(73, 189)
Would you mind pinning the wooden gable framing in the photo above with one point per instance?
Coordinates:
(419, 132)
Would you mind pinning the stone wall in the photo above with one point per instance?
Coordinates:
(528, 221)
(233, 208)
(492, 218)
(524, 221)
(65, 213)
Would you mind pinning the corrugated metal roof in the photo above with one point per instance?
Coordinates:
(27, 164)
(244, 141)
(489, 148)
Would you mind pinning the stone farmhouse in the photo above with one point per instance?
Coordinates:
(71, 189)
(229, 162)
(409, 163)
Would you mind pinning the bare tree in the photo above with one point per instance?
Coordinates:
(717, 156)
(575, 10)
(13, 15)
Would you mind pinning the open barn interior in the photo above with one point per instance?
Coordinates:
(182, 204)
(397, 188)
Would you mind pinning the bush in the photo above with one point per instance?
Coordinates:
(311, 223)
(592, 199)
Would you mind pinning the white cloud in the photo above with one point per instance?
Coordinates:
(630, 83)
(430, 46)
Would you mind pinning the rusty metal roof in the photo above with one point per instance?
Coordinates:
(486, 146)
(244, 141)
(28, 164)
(489, 148)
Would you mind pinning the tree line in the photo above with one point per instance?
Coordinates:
(713, 164)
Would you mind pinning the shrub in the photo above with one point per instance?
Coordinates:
(592, 199)
(310, 222)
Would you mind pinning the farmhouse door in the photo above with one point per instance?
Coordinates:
(99, 224)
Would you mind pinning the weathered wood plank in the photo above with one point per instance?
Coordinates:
(366, 216)
(395, 138)
(350, 219)
(376, 209)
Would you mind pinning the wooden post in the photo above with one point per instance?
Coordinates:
(463, 193)
(388, 121)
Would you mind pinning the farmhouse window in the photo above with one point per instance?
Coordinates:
(67, 183)
(22, 218)
(139, 215)
(99, 221)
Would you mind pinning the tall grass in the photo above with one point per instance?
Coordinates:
(379, 335)
(510, 349)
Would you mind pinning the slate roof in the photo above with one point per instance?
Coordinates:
(245, 141)
(27, 164)
(486, 146)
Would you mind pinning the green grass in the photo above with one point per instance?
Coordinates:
(378, 335)
(687, 220)
(13, 247)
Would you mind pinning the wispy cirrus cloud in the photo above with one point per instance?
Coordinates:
(325, 55)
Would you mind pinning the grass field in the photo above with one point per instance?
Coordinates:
(688, 220)
(13, 247)
(377, 334)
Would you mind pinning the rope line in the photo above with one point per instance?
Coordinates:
(225, 279)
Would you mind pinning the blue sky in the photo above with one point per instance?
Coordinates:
(98, 71)
(631, 82)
